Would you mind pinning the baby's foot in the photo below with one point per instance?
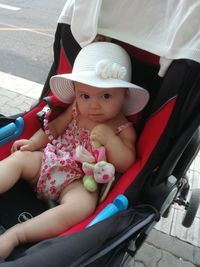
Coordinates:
(8, 241)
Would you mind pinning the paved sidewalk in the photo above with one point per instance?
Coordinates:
(169, 243)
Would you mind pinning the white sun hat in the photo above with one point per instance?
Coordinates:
(101, 65)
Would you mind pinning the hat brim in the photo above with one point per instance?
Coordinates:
(62, 87)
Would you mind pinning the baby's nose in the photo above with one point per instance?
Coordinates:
(95, 103)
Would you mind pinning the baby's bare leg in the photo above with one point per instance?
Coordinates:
(24, 164)
(76, 204)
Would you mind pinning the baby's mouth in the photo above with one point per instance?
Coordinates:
(96, 115)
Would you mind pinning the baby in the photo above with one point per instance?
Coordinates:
(100, 95)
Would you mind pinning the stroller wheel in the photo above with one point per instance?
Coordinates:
(167, 212)
(185, 188)
(191, 208)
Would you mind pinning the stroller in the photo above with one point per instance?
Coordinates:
(168, 140)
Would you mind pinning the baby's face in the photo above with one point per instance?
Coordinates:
(99, 104)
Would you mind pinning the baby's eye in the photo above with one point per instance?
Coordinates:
(85, 96)
(106, 96)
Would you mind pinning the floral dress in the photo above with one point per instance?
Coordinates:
(59, 167)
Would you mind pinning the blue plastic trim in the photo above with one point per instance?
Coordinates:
(11, 131)
(120, 203)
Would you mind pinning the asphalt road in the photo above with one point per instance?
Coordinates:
(27, 31)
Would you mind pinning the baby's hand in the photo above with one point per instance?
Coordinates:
(102, 133)
(23, 145)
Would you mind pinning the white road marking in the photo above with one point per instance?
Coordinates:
(13, 8)
(15, 28)
(20, 85)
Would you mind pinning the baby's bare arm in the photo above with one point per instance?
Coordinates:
(120, 149)
(59, 125)
(39, 139)
(36, 142)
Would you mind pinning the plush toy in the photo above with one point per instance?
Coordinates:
(95, 167)
(101, 172)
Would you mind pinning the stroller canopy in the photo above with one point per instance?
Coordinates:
(169, 29)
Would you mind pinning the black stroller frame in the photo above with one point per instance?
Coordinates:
(151, 191)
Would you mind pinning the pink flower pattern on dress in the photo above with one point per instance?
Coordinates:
(58, 165)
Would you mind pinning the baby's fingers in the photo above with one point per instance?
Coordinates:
(27, 147)
(14, 147)
(93, 137)
(24, 148)
(97, 138)
(18, 144)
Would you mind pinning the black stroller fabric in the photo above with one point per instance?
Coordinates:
(78, 249)
(181, 84)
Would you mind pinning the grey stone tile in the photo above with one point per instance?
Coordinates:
(194, 176)
(169, 259)
(148, 255)
(175, 246)
(191, 235)
(15, 104)
(4, 100)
